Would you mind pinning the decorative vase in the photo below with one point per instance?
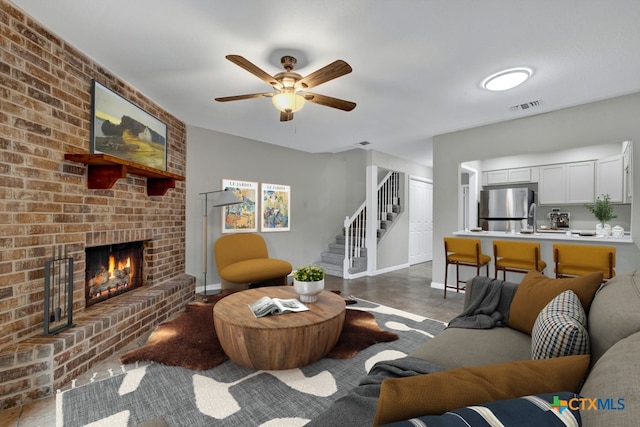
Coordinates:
(603, 230)
(308, 291)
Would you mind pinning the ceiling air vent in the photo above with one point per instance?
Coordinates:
(526, 106)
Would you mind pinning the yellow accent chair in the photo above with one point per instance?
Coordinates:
(580, 260)
(463, 251)
(517, 257)
(243, 261)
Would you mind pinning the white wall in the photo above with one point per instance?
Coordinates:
(606, 121)
(324, 189)
(393, 250)
(389, 162)
(591, 152)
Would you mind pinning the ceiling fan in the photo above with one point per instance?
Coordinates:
(290, 87)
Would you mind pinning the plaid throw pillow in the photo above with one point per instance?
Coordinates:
(560, 328)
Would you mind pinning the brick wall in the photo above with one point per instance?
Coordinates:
(45, 95)
(37, 366)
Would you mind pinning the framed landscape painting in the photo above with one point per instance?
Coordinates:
(122, 129)
(241, 218)
(276, 207)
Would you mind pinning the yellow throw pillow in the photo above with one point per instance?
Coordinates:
(434, 394)
(536, 291)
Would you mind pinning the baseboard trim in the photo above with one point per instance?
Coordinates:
(390, 269)
(210, 288)
(437, 285)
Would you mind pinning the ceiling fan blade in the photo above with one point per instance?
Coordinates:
(239, 97)
(329, 101)
(253, 69)
(285, 116)
(332, 71)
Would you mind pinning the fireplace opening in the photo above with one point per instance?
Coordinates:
(112, 270)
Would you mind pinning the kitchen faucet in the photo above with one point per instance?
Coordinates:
(533, 210)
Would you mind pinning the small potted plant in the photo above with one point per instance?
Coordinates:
(308, 282)
(603, 211)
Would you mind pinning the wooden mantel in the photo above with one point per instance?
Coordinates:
(105, 170)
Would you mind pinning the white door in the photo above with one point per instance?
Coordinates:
(420, 221)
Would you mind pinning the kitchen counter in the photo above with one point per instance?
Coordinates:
(627, 253)
(540, 235)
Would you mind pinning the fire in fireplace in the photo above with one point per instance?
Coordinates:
(112, 270)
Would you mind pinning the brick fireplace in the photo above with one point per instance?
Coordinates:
(45, 86)
(112, 270)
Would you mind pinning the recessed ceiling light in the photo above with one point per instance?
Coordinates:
(507, 79)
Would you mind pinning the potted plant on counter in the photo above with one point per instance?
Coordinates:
(603, 211)
(308, 281)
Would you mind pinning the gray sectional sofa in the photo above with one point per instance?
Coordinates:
(614, 331)
(613, 325)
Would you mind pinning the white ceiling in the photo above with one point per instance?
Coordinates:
(417, 65)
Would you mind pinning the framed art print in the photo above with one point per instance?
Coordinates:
(122, 129)
(276, 207)
(241, 218)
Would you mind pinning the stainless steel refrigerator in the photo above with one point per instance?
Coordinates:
(506, 209)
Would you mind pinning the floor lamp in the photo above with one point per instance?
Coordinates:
(227, 198)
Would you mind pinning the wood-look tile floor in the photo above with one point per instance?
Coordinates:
(407, 289)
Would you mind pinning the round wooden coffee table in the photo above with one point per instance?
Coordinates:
(281, 341)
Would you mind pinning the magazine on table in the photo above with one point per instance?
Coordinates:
(266, 305)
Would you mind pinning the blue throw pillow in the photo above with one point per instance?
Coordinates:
(547, 410)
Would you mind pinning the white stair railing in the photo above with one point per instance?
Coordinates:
(388, 194)
(354, 238)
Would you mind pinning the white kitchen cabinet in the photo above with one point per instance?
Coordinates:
(519, 175)
(610, 178)
(551, 188)
(497, 177)
(506, 176)
(580, 182)
(566, 183)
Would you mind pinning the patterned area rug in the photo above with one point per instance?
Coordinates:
(231, 395)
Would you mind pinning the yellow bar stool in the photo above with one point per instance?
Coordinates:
(517, 257)
(462, 251)
(580, 260)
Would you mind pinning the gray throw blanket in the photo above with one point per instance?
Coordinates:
(358, 408)
(488, 304)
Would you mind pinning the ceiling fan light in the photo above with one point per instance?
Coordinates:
(288, 101)
(507, 79)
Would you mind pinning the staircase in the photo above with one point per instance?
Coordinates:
(333, 260)
(348, 255)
